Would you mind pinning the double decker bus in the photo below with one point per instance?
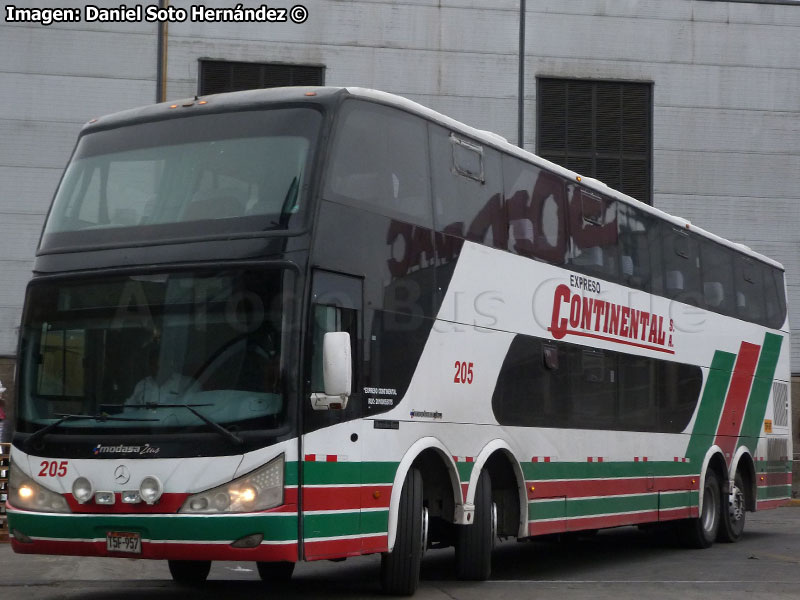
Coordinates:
(315, 323)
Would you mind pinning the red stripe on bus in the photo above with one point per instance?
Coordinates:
(346, 498)
(581, 488)
(464, 488)
(564, 525)
(320, 550)
(730, 422)
(331, 458)
(311, 458)
(161, 551)
(774, 479)
(769, 504)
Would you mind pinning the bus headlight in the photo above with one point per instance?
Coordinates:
(25, 493)
(256, 491)
(151, 489)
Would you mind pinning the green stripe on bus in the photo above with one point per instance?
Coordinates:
(711, 403)
(774, 491)
(759, 393)
(349, 523)
(594, 470)
(290, 473)
(546, 509)
(678, 499)
(276, 527)
(464, 470)
(348, 473)
(587, 507)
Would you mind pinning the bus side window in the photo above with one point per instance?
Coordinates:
(593, 233)
(536, 216)
(635, 256)
(750, 303)
(681, 264)
(718, 278)
(467, 188)
(379, 162)
(328, 319)
(776, 302)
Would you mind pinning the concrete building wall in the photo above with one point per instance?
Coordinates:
(52, 80)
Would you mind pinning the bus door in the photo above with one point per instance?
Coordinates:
(331, 469)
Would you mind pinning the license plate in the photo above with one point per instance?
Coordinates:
(120, 541)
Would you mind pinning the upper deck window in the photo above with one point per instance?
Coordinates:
(379, 162)
(244, 171)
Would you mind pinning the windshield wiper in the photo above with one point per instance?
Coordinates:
(66, 417)
(227, 433)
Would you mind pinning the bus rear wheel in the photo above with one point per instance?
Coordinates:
(702, 531)
(275, 572)
(400, 567)
(189, 572)
(732, 511)
(475, 542)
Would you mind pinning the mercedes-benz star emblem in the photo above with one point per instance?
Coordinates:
(122, 475)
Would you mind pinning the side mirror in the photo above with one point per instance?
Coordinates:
(337, 372)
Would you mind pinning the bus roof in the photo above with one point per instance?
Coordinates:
(253, 99)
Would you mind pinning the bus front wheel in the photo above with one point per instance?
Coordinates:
(732, 511)
(189, 572)
(475, 542)
(400, 567)
(701, 532)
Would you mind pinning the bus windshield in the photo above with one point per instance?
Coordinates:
(125, 351)
(244, 171)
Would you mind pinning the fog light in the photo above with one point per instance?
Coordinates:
(21, 537)
(131, 497)
(248, 541)
(82, 490)
(106, 498)
(151, 489)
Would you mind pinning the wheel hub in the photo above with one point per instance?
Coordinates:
(735, 503)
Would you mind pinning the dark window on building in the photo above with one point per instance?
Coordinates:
(600, 129)
(218, 76)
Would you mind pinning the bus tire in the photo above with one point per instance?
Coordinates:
(702, 531)
(732, 511)
(189, 572)
(275, 572)
(474, 543)
(400, 567)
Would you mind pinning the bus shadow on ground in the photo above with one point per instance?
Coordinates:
(567, 557)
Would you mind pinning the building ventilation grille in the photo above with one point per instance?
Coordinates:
(600, 129)
(217, 76)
